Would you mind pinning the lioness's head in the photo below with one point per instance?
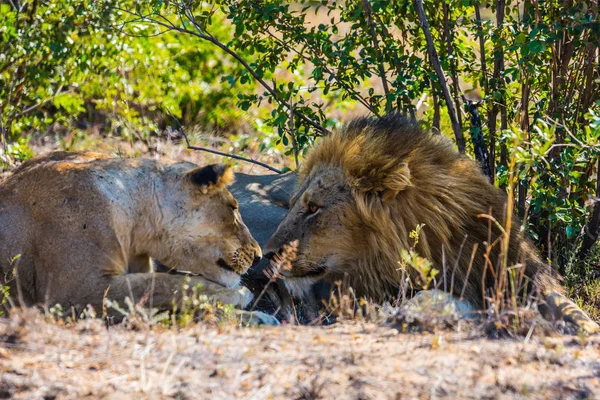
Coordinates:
(202, 225)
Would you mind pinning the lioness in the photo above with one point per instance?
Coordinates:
(364, 188)
(73, 225)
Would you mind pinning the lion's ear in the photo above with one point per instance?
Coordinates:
(385, 181)
(211, 176)
(396, 181)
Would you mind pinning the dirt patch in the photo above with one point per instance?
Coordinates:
(345, 360)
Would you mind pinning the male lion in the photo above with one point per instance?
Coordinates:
(74, 225)
(364, 188)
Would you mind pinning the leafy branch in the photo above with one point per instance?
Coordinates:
(185, 11)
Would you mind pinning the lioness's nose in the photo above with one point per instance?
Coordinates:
(257, 255)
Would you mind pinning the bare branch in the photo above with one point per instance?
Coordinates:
(267, 166)
(220, 153)
(37, 105)
(293, 133)
(369, 14)
(579, 142)
(460, 139)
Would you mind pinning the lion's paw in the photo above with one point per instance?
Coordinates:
(246, 296)
(440, 302)
(561, 308)
(239, 298)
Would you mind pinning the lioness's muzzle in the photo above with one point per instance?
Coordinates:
(223, 264)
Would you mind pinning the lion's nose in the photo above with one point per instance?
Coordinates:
(256, 260)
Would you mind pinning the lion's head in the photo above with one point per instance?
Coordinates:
(364, 188)
(201, 225)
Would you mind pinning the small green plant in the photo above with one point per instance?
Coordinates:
(136, 314)
(56, 313)
(424, 267)
(4, 295)
(193, 306)
(5, 288)
(343, 304)
(17, 151)
(411, 260)
(198, 307)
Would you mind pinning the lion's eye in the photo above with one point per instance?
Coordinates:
(312, 208)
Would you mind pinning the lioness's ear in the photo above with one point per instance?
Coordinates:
(210, 176)
(396, 181)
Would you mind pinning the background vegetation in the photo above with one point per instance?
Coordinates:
(512, 82)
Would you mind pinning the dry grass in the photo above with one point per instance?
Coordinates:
(586, 295)
(39, 359)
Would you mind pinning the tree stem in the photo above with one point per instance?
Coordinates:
(433, 56)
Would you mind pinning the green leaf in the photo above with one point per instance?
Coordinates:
(536, 46)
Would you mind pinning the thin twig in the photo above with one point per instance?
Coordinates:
(293, 134)
(199, 148)
(353, 93)
(456, 262)
(579, 142)
(462, 292)
(41, 103)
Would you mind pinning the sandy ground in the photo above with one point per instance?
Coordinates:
(346, 360)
